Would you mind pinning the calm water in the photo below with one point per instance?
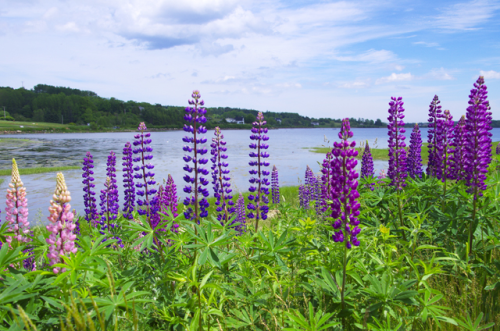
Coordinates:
(288, 150)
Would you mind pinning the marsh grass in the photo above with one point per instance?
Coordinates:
(39, 170)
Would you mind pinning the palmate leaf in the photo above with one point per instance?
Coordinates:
(316, 321)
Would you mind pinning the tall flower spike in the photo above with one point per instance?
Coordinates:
(170, 200)
(303, 196)
(61, 227)
(498, 149)
(367, 169)
(195, 116)
(434, 135)
(166, 201)
(258, 194)
(145, 178)
(240, 214)
(17, 208)
(458, 144)
(275, 186)
(344, 184)
(326, 176)
(220, 176)
(128, 181)
(311, 183)
(89, 199)
(478, 139)
(109, 196)
(444, 148)
(397, 153)
(415, 154)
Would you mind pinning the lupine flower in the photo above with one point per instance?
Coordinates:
(166, 201)
(275, 186)
(109, 196)
(345, 206)
(143, 173)
(415, 153)
(326, 171)
(444, 146)
(89, 199)
(478, 139)
(457, 170)
(397, 153)
(303, 196)
(170, 196)
(434, 134)
(258, 194)
(62, 237)
(311, 182)
(195, 116)
(498, 149)
(382, 174)
(29, 263)
(17, 208)
(128, 181)
(367, 169)
(220, 176)
(240, 214)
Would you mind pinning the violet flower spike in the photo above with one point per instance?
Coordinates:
(240, 215)
(415, 153)
(258, 194)
(220, 176)
(275, 186)
(109, 196)
(17, 208)
(128, 182)
(434, 135)
(367, 169)
(89, 199)
(498, 149)
(326, 172)
(143, 174)
(458, 144)
(196, 182)
(478, 139)
(344, 183)
(397, 153)
(444, 150)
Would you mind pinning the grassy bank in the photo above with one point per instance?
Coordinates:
(382, 154)
(39, 170)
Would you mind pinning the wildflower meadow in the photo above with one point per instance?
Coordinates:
(414, 248)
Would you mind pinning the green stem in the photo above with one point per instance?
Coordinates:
(471, 235)
(343, 285)
(401, 214)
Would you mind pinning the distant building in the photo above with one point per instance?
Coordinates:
(141, 108)
(278, 120)
(230, 120)
(240, 120)
(315, 123)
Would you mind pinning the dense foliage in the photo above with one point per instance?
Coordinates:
(397, 253)
(46, 103)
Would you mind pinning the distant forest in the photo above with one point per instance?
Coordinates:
(46, 103)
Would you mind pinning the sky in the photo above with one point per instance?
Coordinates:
(318, 58)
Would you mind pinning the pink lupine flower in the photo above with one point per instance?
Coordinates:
(17, 208)
(62, 236)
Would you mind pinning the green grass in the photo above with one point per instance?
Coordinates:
(14, 140)
(1, 181)
(34, 171)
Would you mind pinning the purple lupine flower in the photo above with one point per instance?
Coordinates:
(89, 199)
(367, 169)
(170, 197)
(240, 215)
(258, 194)
(326, 171)
(434, 135)
(444, 146)
(415, 153)
(303, 196)
(128, 182)
(397, 153)
(109, 196)
(498, 149)
(457, 170)
(29, 263)
(220, 175)
(143, 171)
(478, 139)
(195, 116)
(344, 183)
(311, 184)
(166, 200)
(17, 208)
(275, 186)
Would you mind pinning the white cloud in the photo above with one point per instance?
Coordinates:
(439, 74)
(372, 56)
(355, 85)
(490, 74)
(466, 15)
(395, 78)
(68, 27)
(426, 44)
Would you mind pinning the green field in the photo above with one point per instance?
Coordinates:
(39, 126)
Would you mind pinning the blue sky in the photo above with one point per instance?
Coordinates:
(318, 58)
